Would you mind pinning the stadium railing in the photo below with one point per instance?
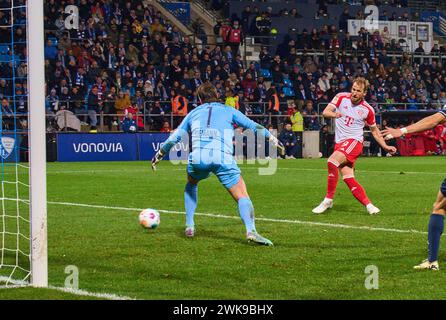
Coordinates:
(255, 109)
(395, 106)
(258, 110)
(153, 122)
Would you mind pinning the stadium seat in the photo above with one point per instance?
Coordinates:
(287, 82)
(265, 73)
(4, 49)
(289, 92)
(5, 58)
(53, 40)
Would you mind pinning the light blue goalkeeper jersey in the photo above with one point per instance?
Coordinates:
(212, 127)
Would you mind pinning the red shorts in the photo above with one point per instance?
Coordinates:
(351, 148)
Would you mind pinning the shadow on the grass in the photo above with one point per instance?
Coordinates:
(213, 235)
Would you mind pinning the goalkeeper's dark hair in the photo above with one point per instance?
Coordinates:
(207, 93)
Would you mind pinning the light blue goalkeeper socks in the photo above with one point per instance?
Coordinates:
(435, 229)
(246, 211)
(190, 202)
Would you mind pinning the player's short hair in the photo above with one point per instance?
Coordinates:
(363, 82)
(207, 93)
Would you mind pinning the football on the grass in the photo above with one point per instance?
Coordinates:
(149, 218)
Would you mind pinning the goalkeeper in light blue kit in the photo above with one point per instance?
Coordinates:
(212, 128)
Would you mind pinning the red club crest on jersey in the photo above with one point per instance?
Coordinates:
(361, 113)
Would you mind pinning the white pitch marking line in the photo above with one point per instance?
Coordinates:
(242, 168)
(85, 293)
(78, 292)
(213, 215)
(147, 169)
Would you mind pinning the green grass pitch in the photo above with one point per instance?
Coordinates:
(313, 256)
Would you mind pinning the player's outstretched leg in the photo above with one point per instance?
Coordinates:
(357, 190)
(246, 210)
(332, 182)
(190, 204)
(435, 230)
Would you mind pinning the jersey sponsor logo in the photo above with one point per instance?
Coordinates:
(98, 147)
(349, 121)
(6, 146)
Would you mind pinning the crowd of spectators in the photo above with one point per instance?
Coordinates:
(258, 22)
(126, 58)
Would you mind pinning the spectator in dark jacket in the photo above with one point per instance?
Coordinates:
(289, 140)
(343, 20)
(93, 106)
(129, 125)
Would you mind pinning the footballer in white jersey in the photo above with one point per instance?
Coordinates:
(436, 221)
(353, 118)
(351, 114)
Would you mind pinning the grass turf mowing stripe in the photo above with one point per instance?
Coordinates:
(214, 215)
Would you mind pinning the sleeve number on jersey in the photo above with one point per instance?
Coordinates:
(349, 121)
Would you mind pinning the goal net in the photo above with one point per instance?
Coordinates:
(22, 144)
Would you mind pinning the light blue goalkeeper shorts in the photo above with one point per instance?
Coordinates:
(227, 173)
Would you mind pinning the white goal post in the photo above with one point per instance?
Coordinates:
(37, 144)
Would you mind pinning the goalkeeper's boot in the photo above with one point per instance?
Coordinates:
(257, 238)
(324, 206)
(426, 265)
(190, 231)
(371, 209)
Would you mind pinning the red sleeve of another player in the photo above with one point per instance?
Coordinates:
(370, 120)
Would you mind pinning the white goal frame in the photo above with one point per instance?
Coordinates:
(37, 144)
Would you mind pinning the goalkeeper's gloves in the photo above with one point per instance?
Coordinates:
(157, 158)
(278, 144)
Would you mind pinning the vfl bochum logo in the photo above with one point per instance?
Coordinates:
(6, 146)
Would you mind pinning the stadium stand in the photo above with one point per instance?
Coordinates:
(129, 47)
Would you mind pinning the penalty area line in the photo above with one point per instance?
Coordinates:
(222, 216)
